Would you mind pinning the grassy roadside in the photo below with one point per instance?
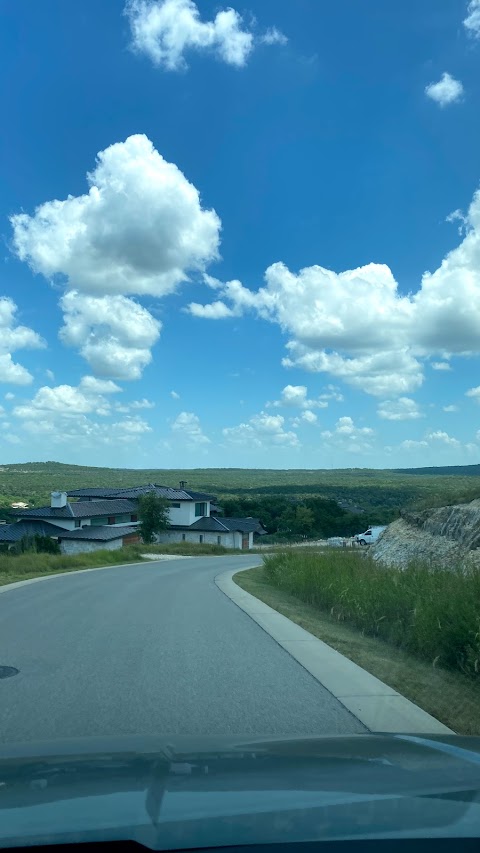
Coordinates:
(451, 697)
(22, 567)
(19, 567)
(189, 549)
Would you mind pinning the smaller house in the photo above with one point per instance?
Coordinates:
(92, 538)
(215, 530)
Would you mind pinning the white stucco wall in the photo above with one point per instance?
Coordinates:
(228, 540)
(81, 546)
(185, 514)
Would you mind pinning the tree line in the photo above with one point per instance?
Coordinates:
(308, 516)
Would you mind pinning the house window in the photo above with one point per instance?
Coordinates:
(219, 540)
(78, 522)
(175, 506)
(111, 519)
(183, 537)
(200, 539)
(200, 509)
(134, 517)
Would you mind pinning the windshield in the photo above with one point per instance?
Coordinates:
(239, 342)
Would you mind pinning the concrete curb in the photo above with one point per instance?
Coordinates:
(377, 706)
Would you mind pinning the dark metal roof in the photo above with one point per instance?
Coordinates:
(79, 509)
(136, 491)
(244, 524)
(208, 523)
(15, 532)
(100, 533)
(223, 525)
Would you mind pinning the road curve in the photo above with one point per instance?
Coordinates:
(150, 649)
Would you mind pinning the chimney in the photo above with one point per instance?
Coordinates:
(58, 500)
(183, 483)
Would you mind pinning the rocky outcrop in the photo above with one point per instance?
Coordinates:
(447, 536)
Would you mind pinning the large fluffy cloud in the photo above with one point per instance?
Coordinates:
(357, 326)
(165, 30)
(139, 230)
(14, 337)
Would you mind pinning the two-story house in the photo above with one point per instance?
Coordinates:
(193, 515)
(108, 518)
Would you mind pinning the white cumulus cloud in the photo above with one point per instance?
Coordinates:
(139, 230)
(474, 392)
(403, 409)
(346, 435)
(213, 311)
(174, 395)
(297, 396)
(187, 426)
(113, 333)
(472, 21)
(166, 30)
(441, 365)
(358, 327)
(262, 430)
(68, 413)
(445, 91)
(14, 337)
(451, 408)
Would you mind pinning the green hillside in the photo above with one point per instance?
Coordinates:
(356, 487)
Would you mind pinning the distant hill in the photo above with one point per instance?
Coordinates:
(444, 471)
(363, 489)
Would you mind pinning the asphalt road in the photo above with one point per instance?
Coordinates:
(150, 649)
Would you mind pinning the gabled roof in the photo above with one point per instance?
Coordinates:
(244, 524)
(100, 533)
(79, 509)
(135, 492)
(15, 532)
(222, 525)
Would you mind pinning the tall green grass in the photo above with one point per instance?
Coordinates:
(431, 613)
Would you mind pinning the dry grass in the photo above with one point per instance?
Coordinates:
(451, 697)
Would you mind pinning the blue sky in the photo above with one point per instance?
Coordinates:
(240, 237)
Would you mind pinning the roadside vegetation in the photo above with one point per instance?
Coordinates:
(17, 567)
(189, 549)
(429, 612)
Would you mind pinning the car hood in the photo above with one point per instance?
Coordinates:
(194, 792)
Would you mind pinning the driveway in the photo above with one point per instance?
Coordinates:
(150, 649)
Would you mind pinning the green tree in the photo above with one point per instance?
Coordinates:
(153, 514)
(304, 520)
